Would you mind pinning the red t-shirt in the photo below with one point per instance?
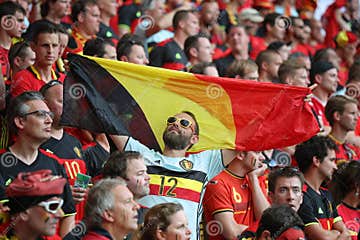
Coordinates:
(319, 109)
(4, 61)
(303, 48)
(230, 193)
(343, 73)
(29, 80)
(351, 218)
(257, 44)
(346, 152)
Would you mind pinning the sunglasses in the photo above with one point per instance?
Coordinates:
(42, 114)
(184, 123)
(52, 206)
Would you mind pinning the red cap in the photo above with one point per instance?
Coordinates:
(36, 184)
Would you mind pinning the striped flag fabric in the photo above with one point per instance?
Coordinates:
(116, 97)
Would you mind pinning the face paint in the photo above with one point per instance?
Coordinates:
(45, 216)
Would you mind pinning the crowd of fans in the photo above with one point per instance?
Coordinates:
(138, 193)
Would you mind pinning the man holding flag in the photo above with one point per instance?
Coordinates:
(174, 175)
(124, 99)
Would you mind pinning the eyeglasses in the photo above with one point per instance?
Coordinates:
(184, 123)
(52, 206)
(40, 114)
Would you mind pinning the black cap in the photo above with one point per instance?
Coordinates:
(319, 67)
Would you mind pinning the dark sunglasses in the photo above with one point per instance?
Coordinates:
(184, 123)
(40, 114)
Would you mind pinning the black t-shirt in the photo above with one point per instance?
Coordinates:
(223, 63)
(318, 208)
(168, 54)
(12, 166)
(67, 147)
(106, 32)
(128, 13)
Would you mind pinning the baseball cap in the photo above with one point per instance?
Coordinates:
(320, 67)
(250, 14)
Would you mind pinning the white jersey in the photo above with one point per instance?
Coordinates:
(180, 180)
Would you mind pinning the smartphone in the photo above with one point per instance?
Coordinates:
(82, 180)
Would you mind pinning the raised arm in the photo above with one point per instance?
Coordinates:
(119, 141)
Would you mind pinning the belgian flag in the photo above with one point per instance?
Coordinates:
(115, 97)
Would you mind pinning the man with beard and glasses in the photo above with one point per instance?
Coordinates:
(174, 175)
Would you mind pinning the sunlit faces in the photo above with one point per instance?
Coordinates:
(46, 49)
(35, 126)
(328, 166)
(191, 25)
(110, 52)
(348, 119)
(178, 228)
(137, 55)
(27, 60)
(209, 13)
(211, 71)
(90, 20)
(60, 8)
(253, 75)
(252, 160)
(42, 221)
(329, 80)
(204, 50)
(137, 177)
(238, 39)
(277, 31)
(108, 7)
(158, 11)
(19, 26)
(273, 66)
(124, 213)
(287, 191)
(300, 78)
(177, 137)
(284, 52)
(63, 42)
(54, 100)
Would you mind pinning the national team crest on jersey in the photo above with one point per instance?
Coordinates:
(77, 152)
(186, 164)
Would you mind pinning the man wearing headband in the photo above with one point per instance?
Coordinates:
(35, 205)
